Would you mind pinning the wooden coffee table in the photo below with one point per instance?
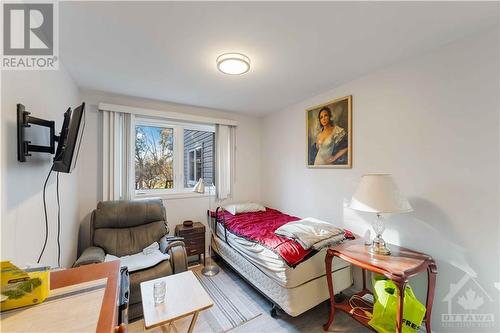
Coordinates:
(184, 297)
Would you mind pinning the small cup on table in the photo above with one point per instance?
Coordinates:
(159, 290)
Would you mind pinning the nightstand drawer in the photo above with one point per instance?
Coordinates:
(191, 242)
(192, 250)
(191, 233)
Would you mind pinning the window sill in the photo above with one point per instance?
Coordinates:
(173, 195)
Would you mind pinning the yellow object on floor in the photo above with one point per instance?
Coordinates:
(20, 288)
(385, 307)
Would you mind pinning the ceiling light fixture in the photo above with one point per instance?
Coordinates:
(233, 63)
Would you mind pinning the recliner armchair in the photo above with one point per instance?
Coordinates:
(127, 227)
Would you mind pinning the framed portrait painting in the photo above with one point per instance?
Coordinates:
(329, 134)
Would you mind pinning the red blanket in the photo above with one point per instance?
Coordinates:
(260, 226)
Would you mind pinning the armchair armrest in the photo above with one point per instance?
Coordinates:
(91, 255)
(177, 252)
(178, 257)
(167, 242)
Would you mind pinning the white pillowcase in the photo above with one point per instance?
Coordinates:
(247, 207)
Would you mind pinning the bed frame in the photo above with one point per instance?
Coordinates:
(225, 252)
(274, 307)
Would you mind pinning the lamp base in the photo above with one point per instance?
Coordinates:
(210, 270)
(378, 247)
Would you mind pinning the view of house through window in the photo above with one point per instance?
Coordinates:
(195, 165)
(156, 165)
(154, 157)
(198, 157)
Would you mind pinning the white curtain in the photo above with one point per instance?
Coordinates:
(225, 156)
(117, 181)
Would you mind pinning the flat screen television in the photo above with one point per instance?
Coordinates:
(70, 140)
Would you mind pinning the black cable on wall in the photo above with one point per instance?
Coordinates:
(58, 223)
(47, 220)
(45, 213)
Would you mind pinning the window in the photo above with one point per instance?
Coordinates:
(154, 157)
(171, 157)
(195, 165)
(198, 156)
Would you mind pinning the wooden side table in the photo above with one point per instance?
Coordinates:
(108, 317)
(65, 308)
(401, 265)
(194, 239)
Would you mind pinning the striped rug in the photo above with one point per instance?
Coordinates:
(232, 307)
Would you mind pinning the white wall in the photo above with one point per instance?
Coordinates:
(433, 122)
(46, 94)
(247, 182)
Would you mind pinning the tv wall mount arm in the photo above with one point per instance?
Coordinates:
(24, 147)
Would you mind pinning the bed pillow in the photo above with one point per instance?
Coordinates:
(247, 207)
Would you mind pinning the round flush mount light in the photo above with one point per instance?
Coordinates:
(233, 63)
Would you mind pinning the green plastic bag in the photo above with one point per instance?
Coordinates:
(375, 278)
(385, 293)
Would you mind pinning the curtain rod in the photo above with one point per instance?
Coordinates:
(166, 114)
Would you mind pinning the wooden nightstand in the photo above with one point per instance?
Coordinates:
(194, 239)
(401, 265)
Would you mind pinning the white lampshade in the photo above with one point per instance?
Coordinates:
(199, 187)
(378, 193)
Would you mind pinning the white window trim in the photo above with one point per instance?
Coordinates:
(179, 191)
(209, 192)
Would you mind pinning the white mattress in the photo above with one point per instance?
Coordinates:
(293, 301)
(274, 266)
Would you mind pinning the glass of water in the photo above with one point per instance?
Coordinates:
(159, 289)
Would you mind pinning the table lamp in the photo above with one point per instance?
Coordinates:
(208, 270)
(378, 193)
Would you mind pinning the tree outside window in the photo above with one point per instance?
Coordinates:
(154, 157)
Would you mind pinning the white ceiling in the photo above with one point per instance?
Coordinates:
(167, 51)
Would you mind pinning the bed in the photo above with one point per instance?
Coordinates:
(292, 278)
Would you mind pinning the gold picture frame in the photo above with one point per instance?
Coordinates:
(329, 134)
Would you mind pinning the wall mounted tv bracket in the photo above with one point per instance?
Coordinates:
(24, 147)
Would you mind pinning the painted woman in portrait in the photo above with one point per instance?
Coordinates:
(329, 134)
(331, 142)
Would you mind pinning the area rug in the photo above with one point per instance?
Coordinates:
(232, 307)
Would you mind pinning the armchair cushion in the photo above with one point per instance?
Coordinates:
(126, 241)
(125, 213)
(91, 255)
